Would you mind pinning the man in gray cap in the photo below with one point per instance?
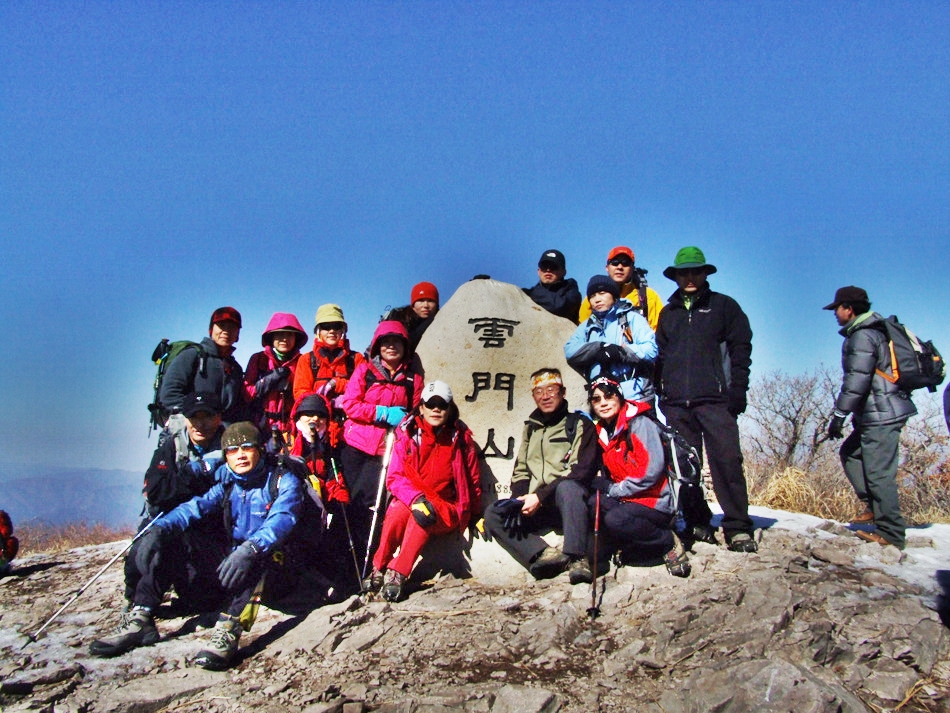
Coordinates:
(557, 294)
(702, 376)
(879, 408)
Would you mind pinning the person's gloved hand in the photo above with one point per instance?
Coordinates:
(303, 427)
(511, 511)
(336, 490)
(477, 529)
(423, 512)
(327, 388)
(390, 415)
(613, 353)
(236, 567)
(275, 380)
(149, 546)
(602, 484)
(737, 402)
(836, 425)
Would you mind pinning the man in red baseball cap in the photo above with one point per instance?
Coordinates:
(418, 314)
(631, 280)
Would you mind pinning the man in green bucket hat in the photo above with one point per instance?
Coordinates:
(702, 376)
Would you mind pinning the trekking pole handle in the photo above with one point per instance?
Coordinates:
(33, 637)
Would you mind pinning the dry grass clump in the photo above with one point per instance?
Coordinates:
(36, 538)
(793, 490)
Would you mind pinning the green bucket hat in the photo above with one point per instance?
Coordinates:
(688, 257)
(239, 433)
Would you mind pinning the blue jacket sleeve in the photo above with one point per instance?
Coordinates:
(282, 515)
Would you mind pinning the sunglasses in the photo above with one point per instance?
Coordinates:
(436, 403)
(333, 327)
(620, 262)
(244, 448)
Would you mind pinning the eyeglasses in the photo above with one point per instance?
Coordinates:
(620, 262)
(436, 403)
(333, 327)
(244, 448)
(551, 390)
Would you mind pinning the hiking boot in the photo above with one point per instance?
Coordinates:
(704, 533)
(580, 572)
(136, 628)
(677, 563)
(373, 583)
(392, 589)
(865, 518)
(222, 646)
(742, 542)
(877, 539)
(550, 562)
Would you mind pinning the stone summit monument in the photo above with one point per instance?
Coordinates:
(485, 343)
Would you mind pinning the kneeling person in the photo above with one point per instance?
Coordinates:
(254, 527)
(552, 474)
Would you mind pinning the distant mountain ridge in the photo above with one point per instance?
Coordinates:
(58, 496)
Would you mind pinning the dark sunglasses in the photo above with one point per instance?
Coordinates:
(620, 262)
(436, 402)
(333, 327)
(244, 448)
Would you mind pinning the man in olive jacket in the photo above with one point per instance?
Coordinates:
(702, 376)
(879, 409)
(551, 479)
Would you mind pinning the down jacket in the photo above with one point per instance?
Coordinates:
(372, 385)
(624, 326)
(253, 516)
(407, 461)
(866, 394)
(337, 364)
(705, 351)
(272, 407)
(634, 460)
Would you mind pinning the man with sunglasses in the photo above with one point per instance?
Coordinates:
(255, 526)
(702, 376)
(621, 268)
(555, 292)
(552, 476)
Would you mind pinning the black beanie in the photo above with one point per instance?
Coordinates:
(602, 283)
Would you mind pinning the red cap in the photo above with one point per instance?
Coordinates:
(621, 250)
(424, 291)
(223, 314)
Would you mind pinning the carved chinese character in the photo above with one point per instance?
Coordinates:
(481, 381)
(494, 330)
(491, 449)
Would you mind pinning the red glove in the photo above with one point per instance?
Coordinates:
(337, 491)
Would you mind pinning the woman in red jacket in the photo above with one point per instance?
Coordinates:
(327, 369)
(435, 483)
(269, 377)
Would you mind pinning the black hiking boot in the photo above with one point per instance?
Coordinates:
(704, 533)
(222, 646)
(373, 583)
(742, 542)
(580, 572)
(550, 562)
(135, 628)
(677, 563)
(393, 588)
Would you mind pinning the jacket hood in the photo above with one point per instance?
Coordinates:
(389, 328)
(284, 321)
(298, 403)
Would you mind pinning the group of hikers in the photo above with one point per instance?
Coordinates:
(288, 465)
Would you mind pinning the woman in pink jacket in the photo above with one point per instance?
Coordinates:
(382, 390)
(434, 481)
(269, 377)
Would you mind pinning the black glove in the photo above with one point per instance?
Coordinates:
(478, 529)
(602, 484)
(613, 354)
(511, 511)
(275, 380)
(233, 571)
(423, 512)
(836, 426)
(147, 547)
(737, 403)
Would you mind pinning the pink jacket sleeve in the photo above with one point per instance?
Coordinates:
(354, 404)
(404, 451)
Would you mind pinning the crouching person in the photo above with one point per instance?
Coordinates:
(634, 494)
(434, 480)
(551, 478)
(255, 525)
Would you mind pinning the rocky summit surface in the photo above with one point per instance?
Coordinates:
(812, 622)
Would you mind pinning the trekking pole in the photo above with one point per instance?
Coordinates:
(33, 637)
(346, 524)
(380, 493)
(594, 611)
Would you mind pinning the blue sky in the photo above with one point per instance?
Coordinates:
(161, 159)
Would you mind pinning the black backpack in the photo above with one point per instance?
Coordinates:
(915, 364)
(163, 355)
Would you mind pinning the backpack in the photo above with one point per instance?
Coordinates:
(163, 355)
(915, 364)
(409, 383)
(641, 291)
(684, 470)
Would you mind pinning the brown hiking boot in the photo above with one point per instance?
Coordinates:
(549, 563)
(136, 628)
(865, 518)
(219, 653)
(876, 538)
